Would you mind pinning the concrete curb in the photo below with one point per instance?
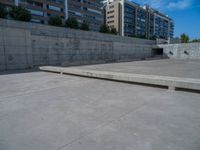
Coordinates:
(171, 82)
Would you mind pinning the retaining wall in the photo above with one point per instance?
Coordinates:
(181, 51)
(25, 45)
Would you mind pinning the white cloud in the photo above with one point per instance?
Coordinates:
(155, 3)
(181, 4)
(166, 4)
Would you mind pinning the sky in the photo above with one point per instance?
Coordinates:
(185, 13)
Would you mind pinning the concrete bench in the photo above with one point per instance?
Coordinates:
(171, 82)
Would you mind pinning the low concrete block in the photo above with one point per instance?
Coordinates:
(170, 82)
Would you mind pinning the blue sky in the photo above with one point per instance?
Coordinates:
(186, 14)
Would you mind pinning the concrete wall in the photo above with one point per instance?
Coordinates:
(25, 45)
(15, 49)
(182, 51)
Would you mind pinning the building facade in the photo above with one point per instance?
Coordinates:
(114, 16)
(89, 11)
(40, 10)
(160, 25)
(130, 19)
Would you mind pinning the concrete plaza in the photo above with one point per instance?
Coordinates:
(47, 111)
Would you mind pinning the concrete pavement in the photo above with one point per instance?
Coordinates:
(46, 111)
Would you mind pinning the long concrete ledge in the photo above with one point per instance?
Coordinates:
(170, 82)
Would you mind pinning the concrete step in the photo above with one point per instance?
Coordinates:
(171, 82)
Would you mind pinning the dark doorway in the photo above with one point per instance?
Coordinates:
(157, 52)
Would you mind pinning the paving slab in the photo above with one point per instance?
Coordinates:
(46, 111)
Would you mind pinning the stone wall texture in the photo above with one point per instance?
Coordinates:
(26, 45)
(182, 51)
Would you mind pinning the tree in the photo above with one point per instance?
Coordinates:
(19, 13)
(71, 22)
(84, 26)
(3, 12)
(104, 29)
(195, 40)
(113, 31)
(142, 36)
(184, 38)
(154, 37)
(55, 21)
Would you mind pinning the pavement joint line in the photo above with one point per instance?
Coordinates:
(171, 82)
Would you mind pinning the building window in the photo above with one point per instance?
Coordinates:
(50, 7)
(57, 1)
(112, 21)
(84, 8)
(112, 11)
(110, 16)
(37, 4)
(94, 11)
(112, 6)
(36, 12)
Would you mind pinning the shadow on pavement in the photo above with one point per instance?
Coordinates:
(19, 71)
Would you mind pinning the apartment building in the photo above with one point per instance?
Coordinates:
(40, 10)
(130, 19)
(114, 17)
(160, 25)
(89, 11)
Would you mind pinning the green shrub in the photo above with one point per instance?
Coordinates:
(71, 22)
(195, 40)
(104, 29)
(84, 26)
(113, 31)
(55, 21)
(3, 12)
(19, 13)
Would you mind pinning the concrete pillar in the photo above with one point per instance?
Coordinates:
(66, 9)
(122, 23)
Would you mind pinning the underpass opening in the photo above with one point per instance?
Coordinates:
(157, 51)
